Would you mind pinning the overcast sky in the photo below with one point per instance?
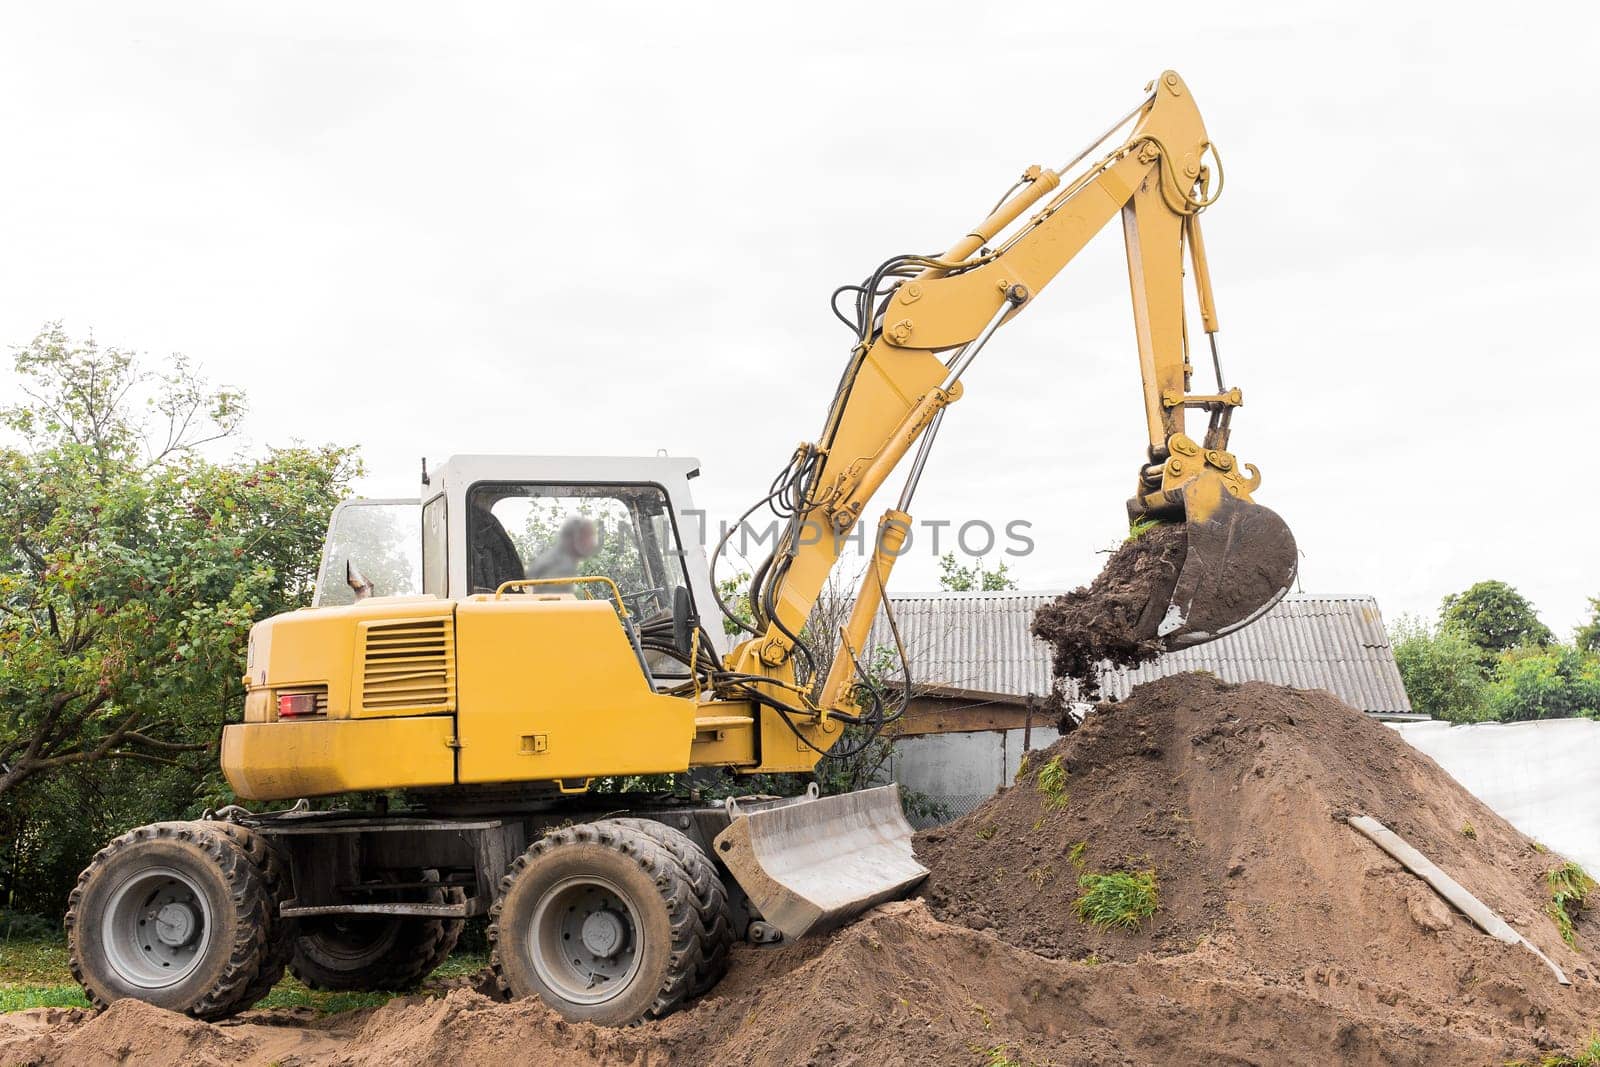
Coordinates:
(612, 229)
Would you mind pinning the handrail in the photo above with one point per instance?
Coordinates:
(518, 583)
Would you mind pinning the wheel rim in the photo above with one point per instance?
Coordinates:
(585, 940)
(352, 943)
(156, 928)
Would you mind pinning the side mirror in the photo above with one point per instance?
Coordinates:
(357, 581)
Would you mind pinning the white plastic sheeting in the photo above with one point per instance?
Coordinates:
(1541, 777)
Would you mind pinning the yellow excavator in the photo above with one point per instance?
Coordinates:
(497, 668)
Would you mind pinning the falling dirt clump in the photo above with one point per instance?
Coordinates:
(1114, 618)
(1279, 935)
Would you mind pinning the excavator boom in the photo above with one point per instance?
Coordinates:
(919, 323)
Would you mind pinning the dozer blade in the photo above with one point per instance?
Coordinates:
(1241, 559)
(815, 863)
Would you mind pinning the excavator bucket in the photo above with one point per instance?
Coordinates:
(813, 863)
(1241, 559)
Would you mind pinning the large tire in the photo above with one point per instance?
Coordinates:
(600, 922)
(280, 942)
(711, 900)
(361, 954)
(177, 914)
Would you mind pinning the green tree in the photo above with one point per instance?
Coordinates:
(1495, 617)
(1588, 636)
(1558, 682)
(973, 579)
(131, 564)
(1442, 670)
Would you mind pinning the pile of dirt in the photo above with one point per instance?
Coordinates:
(131, 1031)
(1236, 797)
(1282, 936)
(1114, 618)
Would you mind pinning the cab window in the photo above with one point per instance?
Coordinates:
(378, 539)
(555, 531)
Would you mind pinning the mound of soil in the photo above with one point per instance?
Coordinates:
(1236, 797)
(1114, 618)
(1283, 936)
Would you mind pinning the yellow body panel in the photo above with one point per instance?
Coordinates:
(552, 689)
(325, 646)
(279, 760)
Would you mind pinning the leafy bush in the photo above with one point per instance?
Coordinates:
(1495, 617)
(1557, 682)
(1442, 671)
(132, 564)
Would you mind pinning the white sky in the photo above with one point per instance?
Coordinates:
(612, 229)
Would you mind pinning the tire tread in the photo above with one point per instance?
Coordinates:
(672, 881)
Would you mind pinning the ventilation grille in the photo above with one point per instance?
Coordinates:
(409, 664)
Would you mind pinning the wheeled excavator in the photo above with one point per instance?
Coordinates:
(493, 674)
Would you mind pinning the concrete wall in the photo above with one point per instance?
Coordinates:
(959, 771)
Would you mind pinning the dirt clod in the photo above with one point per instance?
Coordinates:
(1114, 618)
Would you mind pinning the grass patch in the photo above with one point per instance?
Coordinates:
(1587, 1056)
(34, 973)
(998, 1056)
(1117, 899)
(22, 997)
(1570, 887)
(1469, 832)
(41, 962)
(1075, 853)
(292, 993)
(462, 964)
(986, 832)
(1138, 529)
(1052, 782)
(33, 966)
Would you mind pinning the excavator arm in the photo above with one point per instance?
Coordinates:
(921, 320)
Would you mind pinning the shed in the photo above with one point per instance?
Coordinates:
(979, 677)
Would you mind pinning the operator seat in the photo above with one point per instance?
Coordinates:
(492, 556)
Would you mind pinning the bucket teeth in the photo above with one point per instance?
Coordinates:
(815, 864)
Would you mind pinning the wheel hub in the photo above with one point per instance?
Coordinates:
(584, 940)
(156, 928)
(176, 923)
(603, 933)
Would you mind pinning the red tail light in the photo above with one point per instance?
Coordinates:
(296, 705)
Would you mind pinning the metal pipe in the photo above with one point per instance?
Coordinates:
(1002, 216)
(957, 366)
(1098, 141)
(963, 359)
(920, 461)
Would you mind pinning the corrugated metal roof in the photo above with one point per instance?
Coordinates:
(979, 642)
